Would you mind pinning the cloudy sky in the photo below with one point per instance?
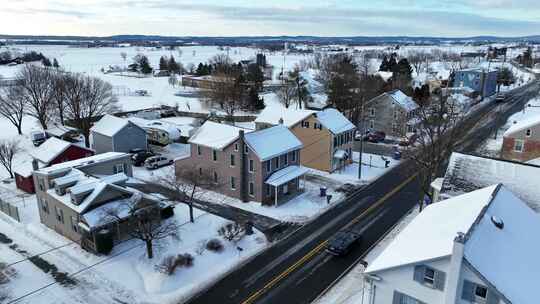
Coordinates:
(271, 17)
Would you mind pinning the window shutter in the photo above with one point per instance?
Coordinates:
(492, 297)
(419, 272)
(440, 278)
(397, 297)
(467, 292)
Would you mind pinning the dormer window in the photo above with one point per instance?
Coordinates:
(528, 133)
(429, 276)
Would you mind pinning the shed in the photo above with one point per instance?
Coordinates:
(115, 134)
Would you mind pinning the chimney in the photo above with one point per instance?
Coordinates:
(243, 167)
(281, 120)
(454, 270)
(35, 164)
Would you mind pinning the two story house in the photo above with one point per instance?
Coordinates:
(473, 248)
(87, 200)
(483, 82)
(262, 166)
(522, 140)
(327, 136)
(392, 113)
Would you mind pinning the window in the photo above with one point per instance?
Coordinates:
(285, 159)
(372, 124)
(396, 115)
(276, 163)
(480, 293)
(335, 142)
(251, 189)
(401, 298)
(518, 145)
(246, 149)
(317, 126)
(236, 147)
(293, 156)
(429, 276)
(305, 124)
(395, 128)
(232, 160)
(371, 112)
(45, 206)
(199, 150)
(73, 223)
(41, 184)
(251, 166)
(118, 168)
(233, 183)
(528, 133)
(215, 177)
(268, 190)
(59, 214)
(214, 155)
(476, 293)
(200, 171)
(268, 165)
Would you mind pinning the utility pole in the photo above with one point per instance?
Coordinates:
(362, 131)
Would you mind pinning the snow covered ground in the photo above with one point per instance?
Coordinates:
(352, 289)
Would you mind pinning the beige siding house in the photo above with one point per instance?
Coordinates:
(262, 166)
(327, 136)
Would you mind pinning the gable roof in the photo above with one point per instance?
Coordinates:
(95, 159)
(402, 100)
(334, 121)
(431, 234)
(51, 149)
(270, 142)
(215, 135)
(290, 117)
(508, 257)
(109, 125)
(522, 125)
(467, 173)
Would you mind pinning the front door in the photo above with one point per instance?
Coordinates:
(286, 189)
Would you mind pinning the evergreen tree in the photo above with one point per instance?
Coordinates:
(55, 64)
(163, 64)
(392, 63)
(46, 62)
(404, 68)
(200, 70)
(174, 67)
(145, 65)
(385, 65)
(255, 102)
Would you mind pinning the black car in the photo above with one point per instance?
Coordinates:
(342, 242)
(139, 158)
(375, 137)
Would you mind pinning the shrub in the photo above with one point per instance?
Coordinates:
(169, 264)
(214, 245)
(231, 232)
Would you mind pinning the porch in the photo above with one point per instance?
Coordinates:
(284, 185)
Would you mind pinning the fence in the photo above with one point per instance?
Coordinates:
(10, 210)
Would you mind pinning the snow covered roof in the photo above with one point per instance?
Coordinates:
(402, 100)
(524, 124)
(507, 257)
(291, 117)
(271, 142)
(215, 135)
(60, 130)
(103, 157)
(334, 121)
(109, 125)
(50, 149)
(431, 234)
(172, 130)
(285, 175)
(466, 173)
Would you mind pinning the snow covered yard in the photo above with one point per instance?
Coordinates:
(351, 289)
(126, 274)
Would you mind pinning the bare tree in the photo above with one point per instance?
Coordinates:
(12, 106)
(37, 90)
(188, 185)
(301, 93)
(59, 92)
(8, 150)
(286, 93)
(144, 220)
(87, 99)
(227, 91)
(437, 136)
(418, 60)
(173, 80)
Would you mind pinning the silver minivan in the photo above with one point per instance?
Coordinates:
(155, 162)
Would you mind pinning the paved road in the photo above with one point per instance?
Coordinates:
(296, 269)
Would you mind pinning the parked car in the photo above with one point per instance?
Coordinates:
(500, 97)
(38, 137)
(140, 157)
(155, 162)
(342, 242)
(375, 137)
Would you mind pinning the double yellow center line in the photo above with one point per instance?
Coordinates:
(251, 299)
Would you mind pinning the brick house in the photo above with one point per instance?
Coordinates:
(521, 141)
(51, 152)
(392, 113)
(262, 166)
(327, 136)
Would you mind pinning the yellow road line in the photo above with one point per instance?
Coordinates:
(321, 246)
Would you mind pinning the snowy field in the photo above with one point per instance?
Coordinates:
(352, 289)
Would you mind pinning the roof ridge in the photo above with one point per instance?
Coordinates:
(482, 213)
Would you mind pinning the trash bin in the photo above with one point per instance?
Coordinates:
(323, 191)
(397, 155)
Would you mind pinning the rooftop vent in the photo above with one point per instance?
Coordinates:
(497, 222)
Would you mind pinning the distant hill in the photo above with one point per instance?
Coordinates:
(246, 40)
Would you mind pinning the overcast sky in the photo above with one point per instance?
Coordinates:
(272, 17)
